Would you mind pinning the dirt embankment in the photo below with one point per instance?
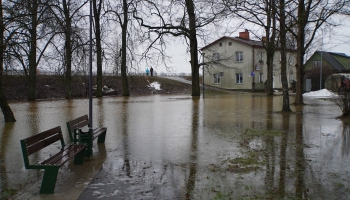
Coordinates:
(52, 87)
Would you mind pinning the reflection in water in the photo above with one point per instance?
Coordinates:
(270, 150)
(3, 169)
(176, 147)
(283, 154)
(299, 158)
(193, 154)
(346, 139)
(125, 124)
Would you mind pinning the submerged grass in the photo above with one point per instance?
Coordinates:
(259, 133)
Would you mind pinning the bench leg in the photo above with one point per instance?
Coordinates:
(79, 158)
(102, 137)
(49, 180)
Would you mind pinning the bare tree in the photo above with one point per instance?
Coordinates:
(5, 108)
(178, 18)
(123, 19)
(97, 7)
(35, 25)
(307, 17)
(67, 16)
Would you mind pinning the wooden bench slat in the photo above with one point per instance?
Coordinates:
(98, 131)
(79, 122)
(43, 143)
(36, 138)
(64, 155)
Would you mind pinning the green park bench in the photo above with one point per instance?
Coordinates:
(77, 135)
(51, 165)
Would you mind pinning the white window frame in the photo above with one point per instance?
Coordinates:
(239, 56)
(217, 78)
(316, 64)
(291, 77)
(239, 78)
(291, 59)
(260, 56)
(261, 77)
(216, 57)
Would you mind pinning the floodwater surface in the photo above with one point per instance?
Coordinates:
(232, 146)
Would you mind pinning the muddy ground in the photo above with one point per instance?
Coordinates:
(52, 86)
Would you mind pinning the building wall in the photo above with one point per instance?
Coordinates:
(316, 57)
(229, 67)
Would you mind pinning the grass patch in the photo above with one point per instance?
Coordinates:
(258, 133)
(6, 193)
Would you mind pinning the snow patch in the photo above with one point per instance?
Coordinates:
(155, 85)
(319, 93)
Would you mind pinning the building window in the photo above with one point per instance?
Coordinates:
(261, 78)
(216, 57)
(216, 78)
(239, 78)
(291, 60)
(316, 64)
(291, 77)
(230, 44)
(260, 56)
(220, 44)
(239, 56)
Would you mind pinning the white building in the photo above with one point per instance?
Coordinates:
(238, 63)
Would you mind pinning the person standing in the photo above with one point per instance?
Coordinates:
(147, 71)
(151, 71)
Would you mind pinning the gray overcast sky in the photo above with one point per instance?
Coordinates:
(338, 41)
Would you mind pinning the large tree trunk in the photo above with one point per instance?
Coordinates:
(283, 42)
(68, 60)
(123, 64)
(270, 44)
(302, 18)
(32, 52)
(193, 48)
(269, 78)
(68, 52)
(5, 108)
(97, 13)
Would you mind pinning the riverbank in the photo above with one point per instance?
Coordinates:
(52, 86)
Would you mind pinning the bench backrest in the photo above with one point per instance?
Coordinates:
(39, 141)
(77, 124)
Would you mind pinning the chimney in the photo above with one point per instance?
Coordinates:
(244, 35)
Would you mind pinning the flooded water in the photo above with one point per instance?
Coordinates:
(232, 146)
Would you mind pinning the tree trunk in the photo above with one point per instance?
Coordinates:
(68, 52)
(270, 44)
(123, 64)
(5, 108)
(193, 47)
(269, 78)
(283, 41)
(97, 13)
(32, 52)
(300, 53)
